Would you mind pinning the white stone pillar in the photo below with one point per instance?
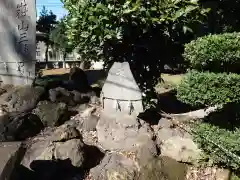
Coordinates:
(120, 92)
(17, 41)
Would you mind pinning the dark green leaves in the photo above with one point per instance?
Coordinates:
(91, 24)
(201, 89)
(218, 53)
(226, 139)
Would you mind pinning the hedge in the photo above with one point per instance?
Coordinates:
(216, 53)
(226, 139)
(202, 89)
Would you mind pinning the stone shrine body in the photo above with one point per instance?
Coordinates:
(17, 41)
(120, 93)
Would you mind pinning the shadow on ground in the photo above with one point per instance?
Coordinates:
(151, 116)
(226, 118)
(169, 103)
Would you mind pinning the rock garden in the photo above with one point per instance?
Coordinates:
(71, 132)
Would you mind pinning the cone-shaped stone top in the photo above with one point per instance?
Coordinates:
(120, 83)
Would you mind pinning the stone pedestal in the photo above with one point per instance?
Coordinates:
(17, 41)
(120, 93)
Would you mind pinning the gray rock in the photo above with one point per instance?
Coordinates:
(36, 150)
(65, 132)
(94, 99)
(24, 99)
(60, 95)
(11, 154)
(166, 129)
(2, 91)
(45, 148)
(146, 153)
(51, 114)
(85, 120)
(19, 126)
(78, 79)
(164, 134)
(164, 123)
(71, 98)
(114, 167)
(181, 149)
(163, 168)
(72, 149)
(122, 133)
(90, 123)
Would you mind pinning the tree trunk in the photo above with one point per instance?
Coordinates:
(46, 55)
(64, 60)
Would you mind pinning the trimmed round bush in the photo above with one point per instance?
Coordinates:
(216, 53)
(201, 89)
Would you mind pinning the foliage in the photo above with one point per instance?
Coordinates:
(217, 53)
(137, 31)
(94, 23)
(46, 24)
(226, 139)
(59, 38)
(235, 177)
(223, 16)
(201, 89)
(46, 21)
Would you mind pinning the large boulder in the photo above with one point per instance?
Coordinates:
(175, 142)
(71, 98)
(24, 99)
(64, 133)
(85, 120)
(20, 126)
(51, 114)
(181, 149)
(72, 149)
(164, 134)
(16, 120)
(146, 153)
(78, 80)
(122, 132)
(115, 167)
(60, 95)
(127, 134)
(163, 168)
(59, 144)
(11, 154)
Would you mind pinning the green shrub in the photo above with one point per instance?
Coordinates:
(216, 53)
(201, 89)
(235, 177)
(226, 139)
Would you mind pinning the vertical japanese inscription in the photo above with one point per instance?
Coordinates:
(21, 14)
(17, 42)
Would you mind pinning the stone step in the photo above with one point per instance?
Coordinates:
(11, 154)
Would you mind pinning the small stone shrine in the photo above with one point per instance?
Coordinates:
(120, 93)
(17, 41)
